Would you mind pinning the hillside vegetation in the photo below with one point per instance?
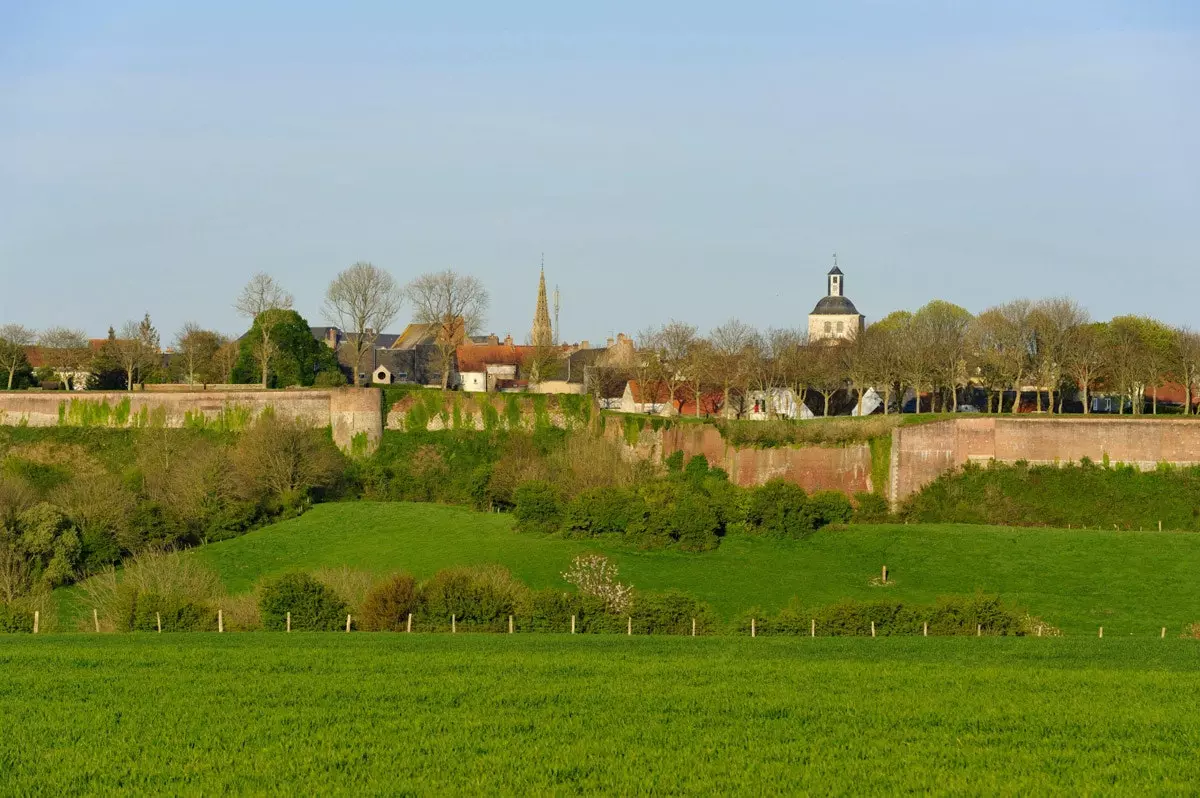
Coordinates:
(1128, 582)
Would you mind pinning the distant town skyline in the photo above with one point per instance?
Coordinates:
(693, 161)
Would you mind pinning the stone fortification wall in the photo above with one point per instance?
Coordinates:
(353, 413)
(922, 453)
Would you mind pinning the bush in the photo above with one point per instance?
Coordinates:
(387, 606)
(828, 507)
(870, 508)
(479, 597)
(313, 606)
(15, 619)
(695, 524)
(178, 615)
(603, 511)
(537, 507)
(674, 462)
(778, 508)
(949, 616)
(671, 613)
(696, 469)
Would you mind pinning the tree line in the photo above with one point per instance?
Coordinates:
(943, 354)
(278, 350)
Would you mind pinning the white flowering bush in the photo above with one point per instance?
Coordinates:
(594, 575)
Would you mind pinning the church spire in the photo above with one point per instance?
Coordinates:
(543, 334)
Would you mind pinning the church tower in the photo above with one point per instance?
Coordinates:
(834, 318)
(542, 334)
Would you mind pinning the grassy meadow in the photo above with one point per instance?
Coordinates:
(536, 714)
(1132, 583)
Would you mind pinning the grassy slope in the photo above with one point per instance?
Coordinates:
(1128, 582)
(472, 714)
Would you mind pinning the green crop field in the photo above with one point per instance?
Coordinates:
(1131, 583)
(532, 714)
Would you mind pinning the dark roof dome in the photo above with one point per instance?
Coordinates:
(835, 270)
(835, 306)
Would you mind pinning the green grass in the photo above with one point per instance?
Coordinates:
(434, 715)
(1128, 582)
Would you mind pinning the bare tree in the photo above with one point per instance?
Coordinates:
(1056, 324)
(224, 359)
(1187, 364)
(264, 301)
(797, 362)
(885, 353)
(730, 343)
(66, 352)
(196, 354)
(864, 361)
(14, 340)
(1086, 359)
(1005, 337)
(699, 369)
(671, 346)
(828, 375)
(135, 348)
(361, 301)
(1125, 359)
(454, 305)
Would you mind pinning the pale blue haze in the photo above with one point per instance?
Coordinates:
(694, 160)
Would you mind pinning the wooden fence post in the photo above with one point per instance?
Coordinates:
(289, 622)
(693, 627)
(510, 624)
(453, 624)
(872, 628)
(409, 629)
(753, 627)
(1163, 634)
(572, 624)
(347, 623)
(1039, 630)
(629, 629)
(1160, 525)
(812, 628)
(96, 618)
(37, 617)
(885, 574)
(1102, 631)
(925, 631)
(220, 620)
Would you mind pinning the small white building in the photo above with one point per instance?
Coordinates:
(835, 317)
(776, 403)
(382, 376)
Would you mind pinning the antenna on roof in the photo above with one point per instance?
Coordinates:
(556, 314)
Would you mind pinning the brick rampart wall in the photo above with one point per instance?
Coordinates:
(922, 453)
(349, 411)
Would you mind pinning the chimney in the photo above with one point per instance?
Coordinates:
(331, 337)
(585, 344)
(609, 343)
(508, 340)
(493, 340)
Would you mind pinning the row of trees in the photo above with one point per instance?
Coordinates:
(1050, 347)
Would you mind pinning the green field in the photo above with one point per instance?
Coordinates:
(436, 714)
(1131, 583)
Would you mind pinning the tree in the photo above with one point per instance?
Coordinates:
(1125, 361)
(918, 360)
(297, 358)
(730, 343)
(135, 349)
(224, 360)
(699, 369)
(829, 375)
(454, 306)
(1056, 325)
(14, 340)
(671, 346)
(196, 354)
(66, 352)
(797, 365)
(361, 301)
(284, 460)
(885, 353)
(943, 327)
(264, 302)
(864, 360)
(1003, 338)
(1187, 363)
(1086, 358)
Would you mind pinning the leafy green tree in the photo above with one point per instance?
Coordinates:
(13, 340)
(297, 357)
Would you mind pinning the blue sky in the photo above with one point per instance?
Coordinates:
(693, 160)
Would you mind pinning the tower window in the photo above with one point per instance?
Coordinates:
(841, 326)
(828, 326)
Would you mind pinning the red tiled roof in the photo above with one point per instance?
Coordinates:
(474, 357)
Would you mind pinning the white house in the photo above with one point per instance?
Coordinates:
(777, 403)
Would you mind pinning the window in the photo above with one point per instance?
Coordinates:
(841, 326)
(828, 326)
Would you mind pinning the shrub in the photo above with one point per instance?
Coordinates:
(387, 606)
(671, 613)
(696, 469)
(480, 597)
(778, 508)
(536, 507)
(351, 586)
(313, 606)
(869, 508)
(828, 507)
(602, 511)
(595, 576)
(695, 524)
(674, 462)
(949, 616)
(176, 614)
(241, 613)
(15, 619)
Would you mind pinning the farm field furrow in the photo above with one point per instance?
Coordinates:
(424, 714)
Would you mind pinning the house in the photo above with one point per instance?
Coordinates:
(651, 400)
(491, 367)
(834, 318)
(775, 403)
(77, 378)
